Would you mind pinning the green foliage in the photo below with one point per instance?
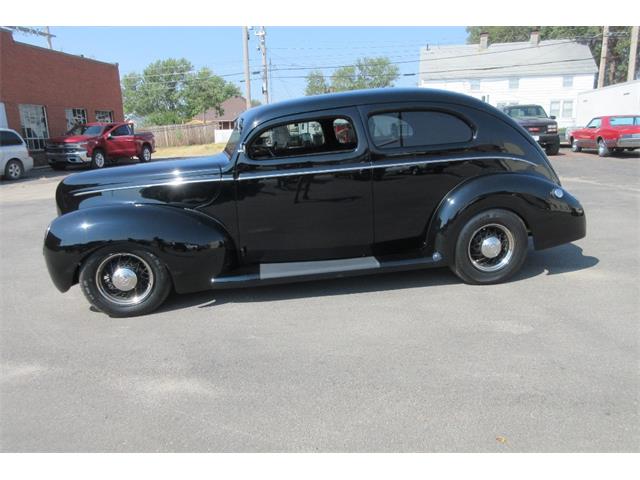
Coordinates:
(619, 42)
(366, 73)
(168, 92)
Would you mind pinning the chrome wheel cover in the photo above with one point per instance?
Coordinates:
(146, 153)
(99, 159)
(124, 279)
(491, 247)
(14, 170)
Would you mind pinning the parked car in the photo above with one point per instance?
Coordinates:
(542, 128)
(420, 178)
(14, 156)
(98, 143)
(607, 133)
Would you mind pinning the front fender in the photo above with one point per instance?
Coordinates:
(194, 247)
(550, 220)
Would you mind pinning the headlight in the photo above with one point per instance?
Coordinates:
(83, 145)
(552, 129)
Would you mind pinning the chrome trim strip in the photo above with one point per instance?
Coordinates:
(314, 171)
(302, 171)
(298, 269)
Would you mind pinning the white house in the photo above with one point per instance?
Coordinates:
(550, 73)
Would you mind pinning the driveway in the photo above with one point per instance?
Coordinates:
(413, 361)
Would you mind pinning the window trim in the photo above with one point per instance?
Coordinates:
(418, 148)
(86, 117)
(302, 118)
(95, 113)
(46, 125)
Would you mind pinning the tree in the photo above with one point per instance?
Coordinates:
(366, 73)
(168, 92)
(619, 41)
(316, 84)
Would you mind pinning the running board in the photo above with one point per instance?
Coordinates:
(269, 273)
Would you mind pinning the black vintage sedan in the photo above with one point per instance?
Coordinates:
(326, 186)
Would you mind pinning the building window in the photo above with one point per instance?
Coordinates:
(567, 81)
(75, 116)
(554, 108)
(105, 116)
(475, 84)
(514, 82)
(33, 119)
(567, 109)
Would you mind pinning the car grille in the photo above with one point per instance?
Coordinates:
(537, 130)
(60, 147)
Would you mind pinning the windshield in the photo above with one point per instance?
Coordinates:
(526, 111)
(232, 143)
(86, 130)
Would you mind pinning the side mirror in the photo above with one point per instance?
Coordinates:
(552, 117)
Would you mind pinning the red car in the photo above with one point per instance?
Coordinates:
(607, 133)
(99, 143)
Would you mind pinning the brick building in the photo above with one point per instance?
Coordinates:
(44, 92)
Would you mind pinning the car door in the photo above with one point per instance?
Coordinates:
(121, 143)
(303, 189)
(591, 133)
(406, 191)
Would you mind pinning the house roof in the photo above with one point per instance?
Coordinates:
(231, 109)
(499, 60)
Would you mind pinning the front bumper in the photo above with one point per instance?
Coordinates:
(547, 139)
(74, 157)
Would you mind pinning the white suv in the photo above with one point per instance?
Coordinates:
(14, 157)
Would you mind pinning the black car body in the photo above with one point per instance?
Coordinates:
(324, 186)
(542, 128)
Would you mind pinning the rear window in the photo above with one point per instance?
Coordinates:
(624, 121)
(417, 128)
(8, 139)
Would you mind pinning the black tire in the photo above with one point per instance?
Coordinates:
(13, 170)
(603, 150)
(58, 166)
(98, 159)
(512, 233)
(574, 146)
(618, 150)
(145, 154)
(552, 149)
(142, 299)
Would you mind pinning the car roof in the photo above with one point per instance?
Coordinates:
(257, 115)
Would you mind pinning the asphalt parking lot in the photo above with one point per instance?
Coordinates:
(413, 361)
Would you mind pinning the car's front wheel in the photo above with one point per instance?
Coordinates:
(490, 247)
(574, 146)
(98, 159)
(125, 282)
(552, 149)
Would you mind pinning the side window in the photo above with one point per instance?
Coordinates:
(303, 138)
(121, 131)
(595, 123)
(8, 139)
(621, 121)
(417, 129)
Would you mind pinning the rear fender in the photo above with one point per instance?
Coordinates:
(550, 220)
(194, 246)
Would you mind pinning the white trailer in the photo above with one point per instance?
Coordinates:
(619, 99)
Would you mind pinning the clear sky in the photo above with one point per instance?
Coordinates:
(220, 48)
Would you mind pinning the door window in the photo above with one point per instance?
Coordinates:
(122, 130)
(303, 138)
(417, 128)
(595, 123)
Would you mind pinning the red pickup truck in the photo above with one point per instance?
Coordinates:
(99, 143)
(607, 133)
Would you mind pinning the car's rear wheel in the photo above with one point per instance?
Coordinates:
(124, 282)
(13, 170)
(574, 146)
(490, 247)
(145, 154)
(603, 150)
(98, 159)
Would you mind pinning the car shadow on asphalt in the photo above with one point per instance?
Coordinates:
(563, 259)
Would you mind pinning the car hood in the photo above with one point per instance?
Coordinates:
(71, 139)
(135, 178)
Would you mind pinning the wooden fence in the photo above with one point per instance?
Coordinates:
(181, 135)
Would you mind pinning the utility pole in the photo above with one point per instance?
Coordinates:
(262, 34)
(603, 56)
(247, 76)
(633, 53)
